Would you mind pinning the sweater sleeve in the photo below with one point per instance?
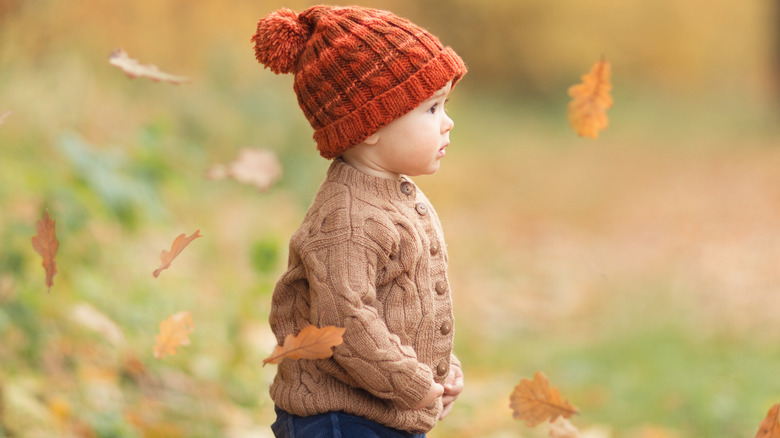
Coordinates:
(342, 288)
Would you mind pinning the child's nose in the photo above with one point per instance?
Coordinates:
(447, 124)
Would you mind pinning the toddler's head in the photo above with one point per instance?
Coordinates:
(356, 69)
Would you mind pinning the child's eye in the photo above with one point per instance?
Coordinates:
(432, 109)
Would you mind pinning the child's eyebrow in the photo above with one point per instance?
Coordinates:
(437, 95)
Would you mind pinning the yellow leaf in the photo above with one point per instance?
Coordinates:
(769, 427)
(174, 331)
(536, 401)
(45, 243)
(178, 245)
(133, 69)
(587, 110)
(310, 343)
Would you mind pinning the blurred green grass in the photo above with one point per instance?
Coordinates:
(636, 271)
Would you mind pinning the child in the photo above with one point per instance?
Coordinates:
(370, 254)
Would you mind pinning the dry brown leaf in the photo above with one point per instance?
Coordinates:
(310, 343)
(177, 247)
(536, 401)
(591, 98)
(562, 428)
(45, 243)
(4, 116)
(769, 427)
(132, 68)
(257, 167)
(174, 331)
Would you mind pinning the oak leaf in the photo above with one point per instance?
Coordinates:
(4, 116)
(310, 343)
(257, 167)
(134, 69)
(45, 243)
(769, 427)
(174, 332)
(591, 99)
(178, 245)
(537, 401)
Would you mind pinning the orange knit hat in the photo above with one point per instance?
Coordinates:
(356, 69)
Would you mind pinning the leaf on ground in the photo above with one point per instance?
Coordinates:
(310, 343)
(133, 69)
(257, 167)
(537, 401)
(174, 332)
(769, 427)
(45, 243)
(178, 245)
(4, 116)
(591, 99)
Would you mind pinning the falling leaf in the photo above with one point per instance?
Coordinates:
(536, 401)
(132, 68)
(46, 244)
(174, 331)
(4, 116)
(562, 428)
(310, 343)
(769, 427)
(89, 317)
(257, 167)
(587, 110)
(178, 246)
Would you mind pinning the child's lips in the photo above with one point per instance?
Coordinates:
(442, 151)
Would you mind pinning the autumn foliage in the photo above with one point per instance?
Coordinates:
(45, 244)
(536, 401)
(174, 332)
(178, 245)
(591, 99)
(310, 343)
(770, 426)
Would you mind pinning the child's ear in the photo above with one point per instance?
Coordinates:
(372, 139)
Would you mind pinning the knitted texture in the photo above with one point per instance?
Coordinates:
(369, 257)
(356, 69)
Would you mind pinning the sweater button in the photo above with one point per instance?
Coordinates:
(442, 369)
(441, 287)
(406, 188)
(421, 208)
(446, 328)
(435, 247)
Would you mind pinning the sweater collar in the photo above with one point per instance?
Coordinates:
(342, 172)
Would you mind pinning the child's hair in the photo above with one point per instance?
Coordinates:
(356, 69)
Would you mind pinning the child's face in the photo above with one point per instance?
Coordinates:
(414, 143)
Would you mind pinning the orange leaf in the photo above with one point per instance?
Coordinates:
(310, 343)
(769, 427)
(587, 110)
(4, 116)
(536, 401)
(132, 68)
(174, 331)
(177, 246)
(46, 244)
(257, 167)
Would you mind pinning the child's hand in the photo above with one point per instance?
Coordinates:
(434, 392)
(453, 386)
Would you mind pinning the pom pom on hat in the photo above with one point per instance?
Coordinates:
(280, 40)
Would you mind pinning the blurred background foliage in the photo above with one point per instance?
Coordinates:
(638, 271)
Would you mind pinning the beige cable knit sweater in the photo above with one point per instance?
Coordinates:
(368, 257)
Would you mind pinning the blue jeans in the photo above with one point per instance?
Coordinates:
(332, 425)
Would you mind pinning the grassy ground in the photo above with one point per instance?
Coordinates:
(639, 271)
